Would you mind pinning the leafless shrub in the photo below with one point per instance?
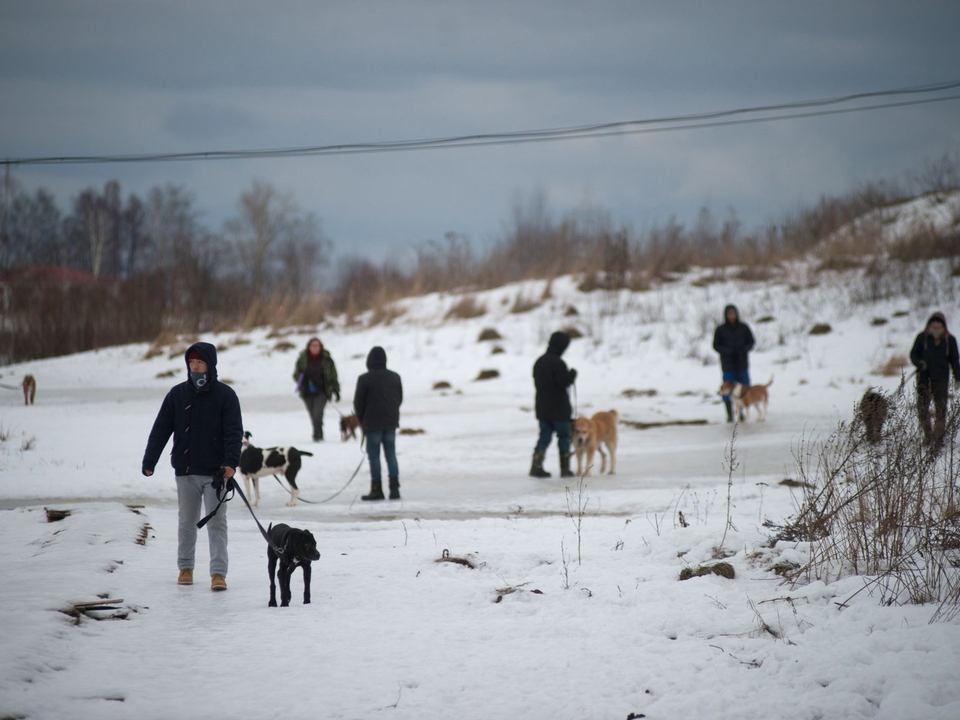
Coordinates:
(887, 512)
(465, 309)
(926, 244)
(28, 444)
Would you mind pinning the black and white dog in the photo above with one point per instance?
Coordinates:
(299, 549)
(256, 463)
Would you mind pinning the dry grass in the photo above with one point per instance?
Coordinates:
(465, 309)
(386, 314)
(442, 385)
(821, 329)
(284, 346)
(523, 304)
(488, 334)
(487, 375)
(721, 569)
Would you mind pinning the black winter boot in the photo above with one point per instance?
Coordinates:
(394, 488)
(729, 404)
(565, 470)
(376, 492)
(536, 469)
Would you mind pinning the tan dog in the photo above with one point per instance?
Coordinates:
(29, 389)
(745, 398)
(349, 426)
(589, 434)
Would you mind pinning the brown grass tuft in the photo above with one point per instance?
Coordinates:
(489, 334)
(487, 375)
(821, 329)
(465, 309)
(893, 367)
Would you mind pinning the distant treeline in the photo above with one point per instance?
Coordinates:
(141, 266)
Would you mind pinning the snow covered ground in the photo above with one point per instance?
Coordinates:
(391, 632)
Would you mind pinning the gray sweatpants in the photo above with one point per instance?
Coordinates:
(191, 489)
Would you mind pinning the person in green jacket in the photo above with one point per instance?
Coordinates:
(317, 381)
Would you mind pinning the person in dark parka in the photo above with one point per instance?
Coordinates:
(203, 415)
(935, 354)
(733, 341)
(552, 380)
(377, 403)
(317, 382)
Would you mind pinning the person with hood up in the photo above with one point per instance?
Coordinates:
(552, 380)
(935, 354)
(733, 341)
(203, 415)
(317, 381)
(377, 403)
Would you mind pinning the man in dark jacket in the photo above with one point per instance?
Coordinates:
(377, 403)
(203, 415)
(935, 354)
(317, 381)
(551, 378)
(733, 341)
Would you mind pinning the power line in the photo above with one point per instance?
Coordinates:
(695, 121)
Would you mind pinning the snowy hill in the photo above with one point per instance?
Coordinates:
(611, 630)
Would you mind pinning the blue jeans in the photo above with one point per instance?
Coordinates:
(548, 428)
(736, 376)
(387, 438)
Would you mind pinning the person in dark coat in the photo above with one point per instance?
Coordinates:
(935, 354)
(733, 341)
(552, 380)
(203, 415)
(377, 403)
(317, 382)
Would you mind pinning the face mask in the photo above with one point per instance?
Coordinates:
(937, 332)
(199, 380)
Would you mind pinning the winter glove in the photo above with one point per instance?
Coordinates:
(573, 375)
(336, 396)
(922, 366)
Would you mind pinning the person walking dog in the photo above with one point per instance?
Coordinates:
(552, 380)
(316, 377)
(934, 354)
(203, 415)
(733, 341)
(377, 403)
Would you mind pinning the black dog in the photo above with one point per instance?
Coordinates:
(873, 410)
(298, 548)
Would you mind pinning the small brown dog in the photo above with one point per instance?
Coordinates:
(590, 434)
(29, 389)
(873, 409)
(745, 398)
(349, 424)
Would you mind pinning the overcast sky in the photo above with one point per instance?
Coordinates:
(125, 77)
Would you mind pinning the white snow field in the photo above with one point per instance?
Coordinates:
(595, 626)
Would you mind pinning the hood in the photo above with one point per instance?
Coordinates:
(559, 342)
(727, 309)
(377, 359)
(937, 316)
(209, 354)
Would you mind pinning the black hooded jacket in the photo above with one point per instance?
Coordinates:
(936, 359)
(379, 394)
(551, 378)
(733, 341)
(206, 425)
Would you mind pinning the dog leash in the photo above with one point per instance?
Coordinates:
(225, 491)
(326, 500)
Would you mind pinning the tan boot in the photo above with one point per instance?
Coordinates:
(185, 577)
(218, 583)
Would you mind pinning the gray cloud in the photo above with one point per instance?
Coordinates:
(127, 77)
